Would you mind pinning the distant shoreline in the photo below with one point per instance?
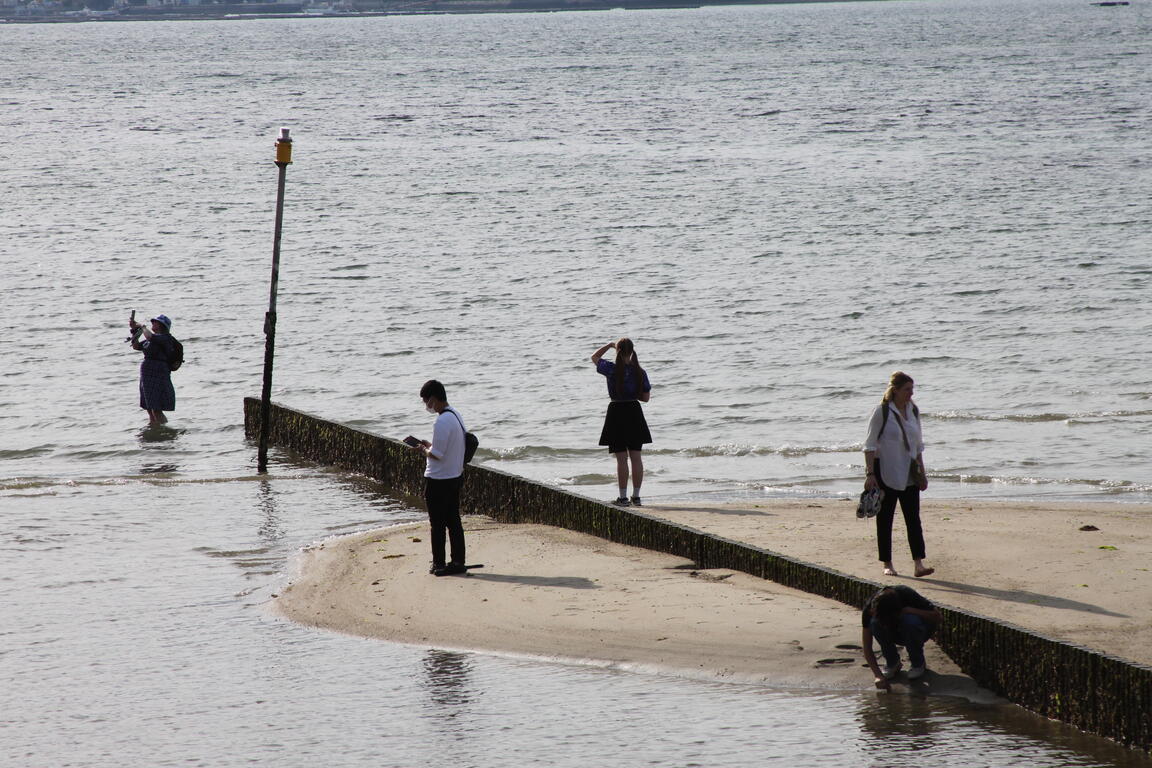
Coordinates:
(248, 11)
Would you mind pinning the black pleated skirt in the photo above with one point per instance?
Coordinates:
(625, 426)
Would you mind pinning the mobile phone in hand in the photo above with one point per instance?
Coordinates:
(412, 441)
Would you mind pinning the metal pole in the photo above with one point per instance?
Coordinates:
(283, 159)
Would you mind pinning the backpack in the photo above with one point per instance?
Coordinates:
(471, 442)
(175, 354)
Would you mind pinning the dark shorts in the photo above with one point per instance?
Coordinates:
(625, 428)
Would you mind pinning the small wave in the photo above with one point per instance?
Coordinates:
(989, 292)
(1081, 417)
(530, 452)
(28, 484)
(1106, 486)
(591, 478)
(737, 449)
(49, 486)
(579, 68)
(211, 552)
(840, 394)
(82, 583)
(931, 359)
(27, 453)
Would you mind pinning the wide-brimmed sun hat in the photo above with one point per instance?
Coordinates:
(163, 320)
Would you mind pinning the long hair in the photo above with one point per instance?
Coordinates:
(899, 379)
(626, 357)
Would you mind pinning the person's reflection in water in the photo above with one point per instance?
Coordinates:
(447, 678)
(159, 469)
(902, 730)
(158, 438)
(271, 529)
(896, 728)
(157, 433)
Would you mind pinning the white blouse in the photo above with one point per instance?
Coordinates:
(895, 460)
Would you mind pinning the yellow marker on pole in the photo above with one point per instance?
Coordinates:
(283, 159)
(283, 148)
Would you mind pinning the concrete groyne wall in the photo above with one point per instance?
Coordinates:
(1095, 692)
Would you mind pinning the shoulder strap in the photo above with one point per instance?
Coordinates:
(459, 420)
(903, 431)
(884, 419)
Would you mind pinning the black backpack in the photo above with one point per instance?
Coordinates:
(175, 354)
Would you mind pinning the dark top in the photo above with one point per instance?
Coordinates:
(159, 347)
(908, 597)
(631, 391)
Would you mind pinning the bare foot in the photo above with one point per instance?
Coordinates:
(890, 572)
(922, 572)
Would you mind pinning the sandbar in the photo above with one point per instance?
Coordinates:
(551, 593)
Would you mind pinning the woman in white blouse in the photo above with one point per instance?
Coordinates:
(894, 462)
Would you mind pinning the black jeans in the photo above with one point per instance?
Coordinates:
(911, 632)
(909, 499)
(442, 497)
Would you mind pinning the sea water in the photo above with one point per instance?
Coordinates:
(779, 204)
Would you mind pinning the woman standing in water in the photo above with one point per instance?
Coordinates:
(894, 462)
(156, 391)
(625, 429)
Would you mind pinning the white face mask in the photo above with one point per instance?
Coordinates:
(430, 409)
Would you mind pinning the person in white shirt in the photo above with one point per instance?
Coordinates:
(894, 462)
(443, 476)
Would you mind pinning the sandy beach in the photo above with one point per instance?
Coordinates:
(548, 592)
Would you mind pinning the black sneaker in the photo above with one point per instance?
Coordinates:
(436, 568)
(636, 501)
(622, 502)
(451, 569)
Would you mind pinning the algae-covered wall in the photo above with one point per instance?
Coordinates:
(1097, 693)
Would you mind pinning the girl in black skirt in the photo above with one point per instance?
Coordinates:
(625, 430)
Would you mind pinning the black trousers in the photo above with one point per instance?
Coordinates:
(442, 497)
(909, 499)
